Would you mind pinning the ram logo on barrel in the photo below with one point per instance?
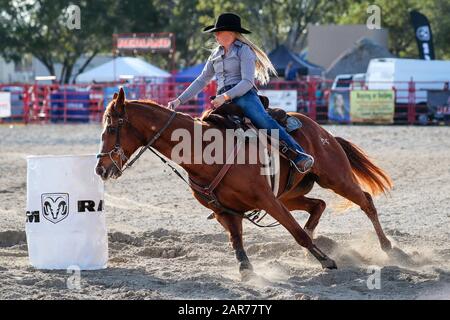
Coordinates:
(55, 206)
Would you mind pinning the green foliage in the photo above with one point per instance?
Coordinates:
(275, 22)
(395, 17)
(38, 27)
(438, 12)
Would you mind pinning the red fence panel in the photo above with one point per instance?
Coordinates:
(86, 102)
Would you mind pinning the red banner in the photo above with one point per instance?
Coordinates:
(144, 43)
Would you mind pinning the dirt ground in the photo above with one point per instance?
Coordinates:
(162, 246)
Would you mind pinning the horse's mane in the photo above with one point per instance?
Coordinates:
(142, 103)
(205, 114)
(145, 102)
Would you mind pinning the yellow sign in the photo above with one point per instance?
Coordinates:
(376, 106)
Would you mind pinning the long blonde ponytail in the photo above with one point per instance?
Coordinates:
(263, 64)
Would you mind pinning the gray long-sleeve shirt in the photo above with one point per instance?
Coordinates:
(236, 67)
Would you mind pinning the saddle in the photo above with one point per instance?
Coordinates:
(231, 116)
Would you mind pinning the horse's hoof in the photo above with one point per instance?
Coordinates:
(245, 266)
(400, 256)
(247, 275)
(246, 270)
(329, 264)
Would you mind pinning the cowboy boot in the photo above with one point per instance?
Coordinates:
(302, 161)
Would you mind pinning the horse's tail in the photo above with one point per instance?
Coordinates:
(364, 170)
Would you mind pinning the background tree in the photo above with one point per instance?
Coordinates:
(39, 27)
(395, 18)
(276, 22)
(188, 20)
(438, 12)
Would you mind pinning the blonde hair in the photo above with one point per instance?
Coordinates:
(263, 64)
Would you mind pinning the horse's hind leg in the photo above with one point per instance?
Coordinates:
(394, 253)
(233, 224)
(364, 200)
(280, 213)
(315, 207)
(371, 212)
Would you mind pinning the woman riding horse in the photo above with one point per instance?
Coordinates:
(341, 167)
(234, 63)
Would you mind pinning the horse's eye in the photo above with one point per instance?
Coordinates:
(110, 129)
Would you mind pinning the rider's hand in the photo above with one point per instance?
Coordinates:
(174, 104)
(218, 101)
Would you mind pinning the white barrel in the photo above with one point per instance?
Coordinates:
(65, 225)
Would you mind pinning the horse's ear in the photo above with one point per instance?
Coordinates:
(121, 97)
(115, 96)
(120, 101)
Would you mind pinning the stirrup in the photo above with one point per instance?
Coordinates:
(310, 160)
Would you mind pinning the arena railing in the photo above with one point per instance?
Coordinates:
(83, 103)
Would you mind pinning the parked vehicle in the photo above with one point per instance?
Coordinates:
(349, 82)
(388, 73)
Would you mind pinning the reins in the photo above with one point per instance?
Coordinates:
(206, 193)
(118, 148)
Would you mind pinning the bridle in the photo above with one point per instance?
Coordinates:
(206, 193)
(118, 150)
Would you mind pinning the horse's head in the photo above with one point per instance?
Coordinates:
(119, 139)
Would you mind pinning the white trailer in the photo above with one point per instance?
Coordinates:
(389, 73)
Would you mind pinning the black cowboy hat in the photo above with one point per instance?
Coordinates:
(227, 22)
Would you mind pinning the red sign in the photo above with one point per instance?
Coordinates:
(144, 43)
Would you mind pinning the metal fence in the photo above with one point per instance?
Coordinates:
(38, 103)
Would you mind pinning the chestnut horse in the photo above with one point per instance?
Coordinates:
(339, 166)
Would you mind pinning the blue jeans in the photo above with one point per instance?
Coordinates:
(254, 110)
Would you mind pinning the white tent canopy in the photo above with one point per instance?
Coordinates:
(121, 67)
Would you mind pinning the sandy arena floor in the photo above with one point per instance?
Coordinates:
(162, 246)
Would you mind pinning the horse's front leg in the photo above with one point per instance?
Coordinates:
(279, 212)
(315, 207)
(233, 224)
